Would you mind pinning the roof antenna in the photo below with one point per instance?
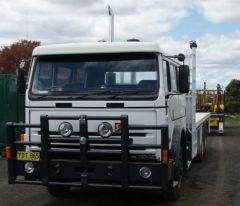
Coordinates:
(111, 24)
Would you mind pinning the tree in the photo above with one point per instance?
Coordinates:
(232, 96)
(10, 56)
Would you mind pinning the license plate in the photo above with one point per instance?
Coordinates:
(28, 156)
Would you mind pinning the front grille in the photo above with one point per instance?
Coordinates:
(98, 148)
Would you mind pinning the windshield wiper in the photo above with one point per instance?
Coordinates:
(114, 93)
(109, 94)
(65, 94)
(62, 96)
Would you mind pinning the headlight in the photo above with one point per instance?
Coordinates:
(29, 167)
(145, 172)
(65, 129)
(105, 129)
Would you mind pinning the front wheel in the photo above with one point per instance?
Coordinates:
(174, 188)
(174, 192)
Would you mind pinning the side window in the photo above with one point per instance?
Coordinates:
(173, 75)
(166, 76)
(177, 76)
(123, 77)
(134, 78)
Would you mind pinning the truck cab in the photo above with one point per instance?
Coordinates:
(103, 115)
(133, 79)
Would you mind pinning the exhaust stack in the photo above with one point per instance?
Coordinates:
(111, 24)
(193, 46)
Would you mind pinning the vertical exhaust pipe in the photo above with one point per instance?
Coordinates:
(111, 24)
(193, 46)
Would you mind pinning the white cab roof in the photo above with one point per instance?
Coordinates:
(98, 47)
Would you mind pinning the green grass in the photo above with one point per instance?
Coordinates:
(232, 120)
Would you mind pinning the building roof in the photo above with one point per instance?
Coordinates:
(97, 47)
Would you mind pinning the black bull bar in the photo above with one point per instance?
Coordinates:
(84, 171)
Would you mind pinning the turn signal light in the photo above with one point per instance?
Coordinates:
(21, 137)
(8, 152)
(165, 156)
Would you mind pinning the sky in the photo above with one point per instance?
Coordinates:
(214, 24)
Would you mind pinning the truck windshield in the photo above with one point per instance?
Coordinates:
(98, 76)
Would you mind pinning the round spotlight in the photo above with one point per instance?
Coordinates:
(105, 129)
(83, 140)
(29, 167)
(65, 129)
(145, 172)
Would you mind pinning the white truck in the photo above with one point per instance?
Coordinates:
(106, 115)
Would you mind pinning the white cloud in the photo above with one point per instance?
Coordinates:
(64, 21)
(221, 11)
(218, 57)
(59, 21)
(147, 20)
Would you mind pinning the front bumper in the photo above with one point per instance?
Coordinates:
(99, 174)
(84, 167)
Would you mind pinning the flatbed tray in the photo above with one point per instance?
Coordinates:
(201, 117)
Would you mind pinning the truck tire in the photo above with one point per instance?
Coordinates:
(57, 191)
(174, 188)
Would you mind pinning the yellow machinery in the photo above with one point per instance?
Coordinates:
(212, 101)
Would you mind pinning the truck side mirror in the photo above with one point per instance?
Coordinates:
(184, 79)
(21, 78)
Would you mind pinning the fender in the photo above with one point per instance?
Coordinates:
(179, 142)
(177, 155)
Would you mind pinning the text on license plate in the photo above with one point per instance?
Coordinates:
(30, 156)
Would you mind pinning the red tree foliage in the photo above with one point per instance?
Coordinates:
(10, 56)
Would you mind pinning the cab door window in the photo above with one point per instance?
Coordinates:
(173, 75)
(166, 76)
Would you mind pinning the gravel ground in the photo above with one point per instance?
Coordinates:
(215, 181)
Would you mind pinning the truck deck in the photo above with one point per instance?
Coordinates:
(201, 117)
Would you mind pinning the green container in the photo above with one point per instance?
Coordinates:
(11, 105)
